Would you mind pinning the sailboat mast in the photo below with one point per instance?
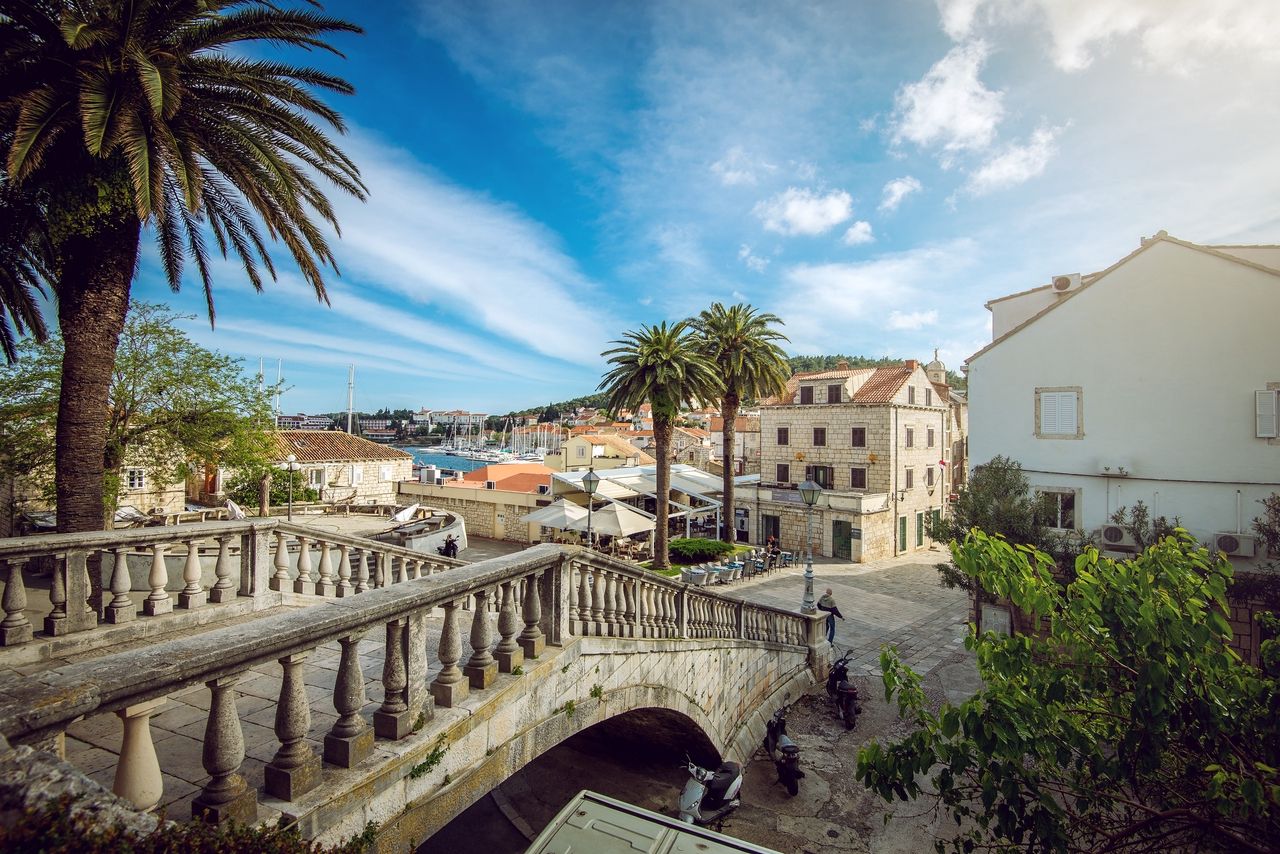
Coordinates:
(351, 395)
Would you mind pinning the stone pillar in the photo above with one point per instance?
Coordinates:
(449, 688)
(138, 778)
(362, 571)
(255, 562)
(224, 589)
(325, 585)
(304, 584)
(350, 740)
(481, 669)
(629, 623)
(532, 640)
(819, 659)
(597, 625)
(645, 629)
(226, 797)
(280, 580)
(345, 587)
(682, 613)
(55, 622)
(16, 628)
(508, 652)
(393, 719)
(611, 605)
(584, 600)
(121, 608)
(295, 769)
(193, 594)
(158, 600)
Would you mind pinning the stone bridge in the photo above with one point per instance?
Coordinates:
(278, 703)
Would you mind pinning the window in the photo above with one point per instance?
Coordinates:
(384, 473)
(806, 394)
(1058, 413)
(928, 476)
(911, 394)
(834, 393)
(911, 437)
(582, 451)
(919, 529)
(784, 436)
(824, 476)
(1266, 405)
(859, 437)
(929, 438)
(857, 478)
(772, 526)
(819, 437)
(928, 397)
(1056, 508)
(136, 478)
(357, 475)
(911, 478)
(315, 477)
(784, 473)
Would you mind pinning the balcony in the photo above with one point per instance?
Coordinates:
(840, 501)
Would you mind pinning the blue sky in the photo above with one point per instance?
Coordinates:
(545, 176)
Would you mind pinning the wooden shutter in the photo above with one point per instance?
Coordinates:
(1067, 422)
(1265, 409)
(1048, 413)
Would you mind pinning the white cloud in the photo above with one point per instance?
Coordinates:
(1015, 164)
(737, 167)
(897, 190)
(957, 17)
(754, 262)
(911, 320)
(802, 211)
(950, 107)
(858, 233)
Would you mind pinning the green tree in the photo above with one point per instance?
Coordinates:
(25, 265)
(245, 486)
(742, 344)
(1129, 724)
(115, 116)
(660, 365)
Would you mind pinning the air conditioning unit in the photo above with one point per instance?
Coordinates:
(1069, 282)
(1235, 545)
(1115, 537)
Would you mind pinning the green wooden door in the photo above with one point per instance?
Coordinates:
(842, 539)
(902, 533)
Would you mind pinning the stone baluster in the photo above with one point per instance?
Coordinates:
(584, 599)
(138, 779)
(193, 594)
(15, 629)
(697, 617)
(121, 608)
(350, 740)
(295, 769)
(449, 687)
(644, 627)
(597, 626)
(629, 614)
(419, 570)
(325, 585)
(345, 587)
(481, 669)
(280, 580)
(574, 574)
(304, 583)
(662, 612)
(392, 718)
(673, 615)
(508, 652)
(56, 620)
(532, 640)
(158, 600)
(610, 625)
(362, 570)
(226, 797)
(223, 589)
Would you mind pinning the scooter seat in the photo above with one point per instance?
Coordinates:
(790, 751)
(723, 778)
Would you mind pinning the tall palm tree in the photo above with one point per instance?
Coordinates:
(659, 365)
(119, 115)
(742, 343)
(24, 268)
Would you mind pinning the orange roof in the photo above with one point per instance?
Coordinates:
(943, 390)
(883, 385)
(741, 424)
(696, 432)
(837, 374)
(329, 446)
(503, 472)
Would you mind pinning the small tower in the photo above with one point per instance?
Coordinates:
(936, 371)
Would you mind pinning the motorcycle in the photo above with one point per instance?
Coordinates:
(784, 752)
(710, 795)
(843, 692)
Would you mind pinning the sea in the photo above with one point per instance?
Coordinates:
(429, 457)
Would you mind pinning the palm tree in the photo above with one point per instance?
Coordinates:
(742, 344)
(115, 116)
(659, 365)
(24, 268)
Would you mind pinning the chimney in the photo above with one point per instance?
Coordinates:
(911, 363)
(842, 365)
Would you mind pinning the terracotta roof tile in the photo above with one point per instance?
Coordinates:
(883, 385)
(943, 390)
(329, 446)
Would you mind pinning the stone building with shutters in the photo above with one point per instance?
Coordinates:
(879, 442)
(345, 469)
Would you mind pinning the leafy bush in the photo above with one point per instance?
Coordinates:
(688, 550)
(243, 489)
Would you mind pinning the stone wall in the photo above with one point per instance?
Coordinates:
(491, 513)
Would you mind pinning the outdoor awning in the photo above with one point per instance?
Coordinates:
(616, 520)
(561, 515)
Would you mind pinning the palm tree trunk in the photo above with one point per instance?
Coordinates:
(729, 406)
(662, 440)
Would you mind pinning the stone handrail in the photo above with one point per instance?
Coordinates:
(252, 558)
(539, 598)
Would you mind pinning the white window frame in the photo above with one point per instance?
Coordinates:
(911, 395)
(135, 478)
(909, 478)
(316, 477)
(1266, 411)
(1051, 421)
(909, 437)
(357, 474)
(1041, 491)
(385, 473)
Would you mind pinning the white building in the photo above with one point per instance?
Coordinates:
(1154, 380)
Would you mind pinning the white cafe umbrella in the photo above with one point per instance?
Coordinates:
(616, 520)
(562, 514)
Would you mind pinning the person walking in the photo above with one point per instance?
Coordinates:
(828, 603)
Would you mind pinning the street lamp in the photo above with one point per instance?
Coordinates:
(292, 467)
(590, 481)
(809, 492)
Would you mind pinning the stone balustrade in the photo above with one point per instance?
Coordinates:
(544, 595)
(190, 567)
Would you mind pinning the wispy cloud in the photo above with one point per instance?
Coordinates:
(858, 234)
(1016, 163)
(752, 261)
(803, 211)
(897, 190)
(950, 107)
(737, 167)
(911, 320)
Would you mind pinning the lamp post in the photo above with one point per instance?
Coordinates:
(590, 481)
(809, 492)
(292, 467)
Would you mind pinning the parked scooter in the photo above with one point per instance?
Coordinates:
(784, 752)
(710, 795)
(843, 692)
(450, 547)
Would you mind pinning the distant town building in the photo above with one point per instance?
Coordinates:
(597, 451)
(746, 443)
(492, 499)
(304, 422)
(342, 467)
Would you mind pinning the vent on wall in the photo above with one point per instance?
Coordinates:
(1235, 545)
(1069, 282)
(1117, 538)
